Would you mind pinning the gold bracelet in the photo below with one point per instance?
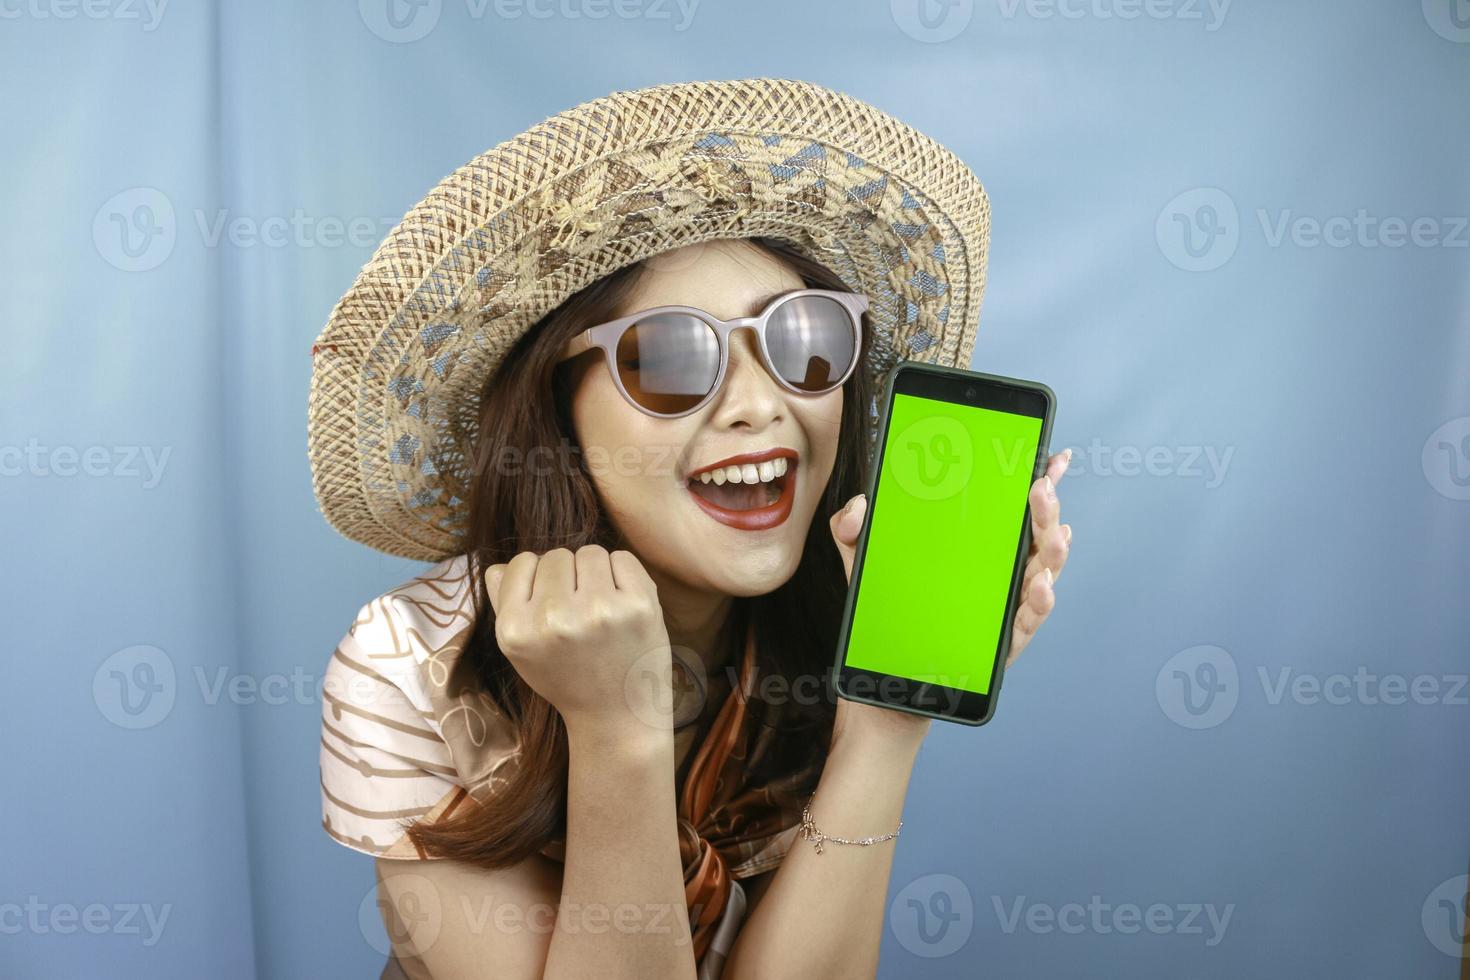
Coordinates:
(810, 832)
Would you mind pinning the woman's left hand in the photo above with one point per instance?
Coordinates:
(1051, 541)
(1050, 544)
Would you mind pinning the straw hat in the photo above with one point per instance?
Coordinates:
(398, 370)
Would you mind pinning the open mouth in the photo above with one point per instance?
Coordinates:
(750, 492)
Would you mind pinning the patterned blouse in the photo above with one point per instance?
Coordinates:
(403, 741)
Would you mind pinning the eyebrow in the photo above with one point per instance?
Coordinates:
(765, 301)
(579, 344)
(760, 304)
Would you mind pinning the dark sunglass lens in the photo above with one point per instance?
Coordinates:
(668, 362)
(811, 342)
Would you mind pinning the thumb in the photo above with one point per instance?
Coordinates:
(493, 575)
(846, 524)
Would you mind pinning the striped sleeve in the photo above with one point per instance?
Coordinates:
(384, 761)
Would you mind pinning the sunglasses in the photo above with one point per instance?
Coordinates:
(669, 361)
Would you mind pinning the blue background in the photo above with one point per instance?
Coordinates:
(1335, 539)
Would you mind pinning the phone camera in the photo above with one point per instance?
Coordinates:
(970, 392)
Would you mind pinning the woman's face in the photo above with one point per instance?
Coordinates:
(647, 469)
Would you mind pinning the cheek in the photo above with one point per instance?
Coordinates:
(628, 454)
(593, 402)
(822, 420)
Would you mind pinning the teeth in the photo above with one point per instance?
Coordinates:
(748, 473)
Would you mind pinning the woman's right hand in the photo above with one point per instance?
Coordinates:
(587, 633)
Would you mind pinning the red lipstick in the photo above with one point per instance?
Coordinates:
(756, 518)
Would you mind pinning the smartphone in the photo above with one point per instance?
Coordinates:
(936, 577)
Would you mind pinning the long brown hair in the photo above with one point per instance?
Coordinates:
(520, 501)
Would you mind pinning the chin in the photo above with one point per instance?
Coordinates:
(756, 578)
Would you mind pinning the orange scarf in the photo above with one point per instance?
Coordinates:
(727, 812)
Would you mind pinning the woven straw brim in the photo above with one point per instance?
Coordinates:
(399, 368)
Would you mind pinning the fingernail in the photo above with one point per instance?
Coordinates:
(1068, 454)
(1068, 529)
(1046, 577)
(1051, 490)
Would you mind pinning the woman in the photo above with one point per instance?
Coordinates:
(585, 742)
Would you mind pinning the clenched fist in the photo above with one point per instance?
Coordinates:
(577, 628)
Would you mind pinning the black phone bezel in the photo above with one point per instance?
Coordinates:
(964, 388)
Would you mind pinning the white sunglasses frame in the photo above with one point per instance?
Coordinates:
(605, 336)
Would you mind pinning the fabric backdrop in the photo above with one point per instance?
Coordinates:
(1231, 236)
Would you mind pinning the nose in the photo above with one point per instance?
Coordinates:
(750, 397)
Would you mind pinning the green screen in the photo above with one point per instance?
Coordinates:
(941, 549)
